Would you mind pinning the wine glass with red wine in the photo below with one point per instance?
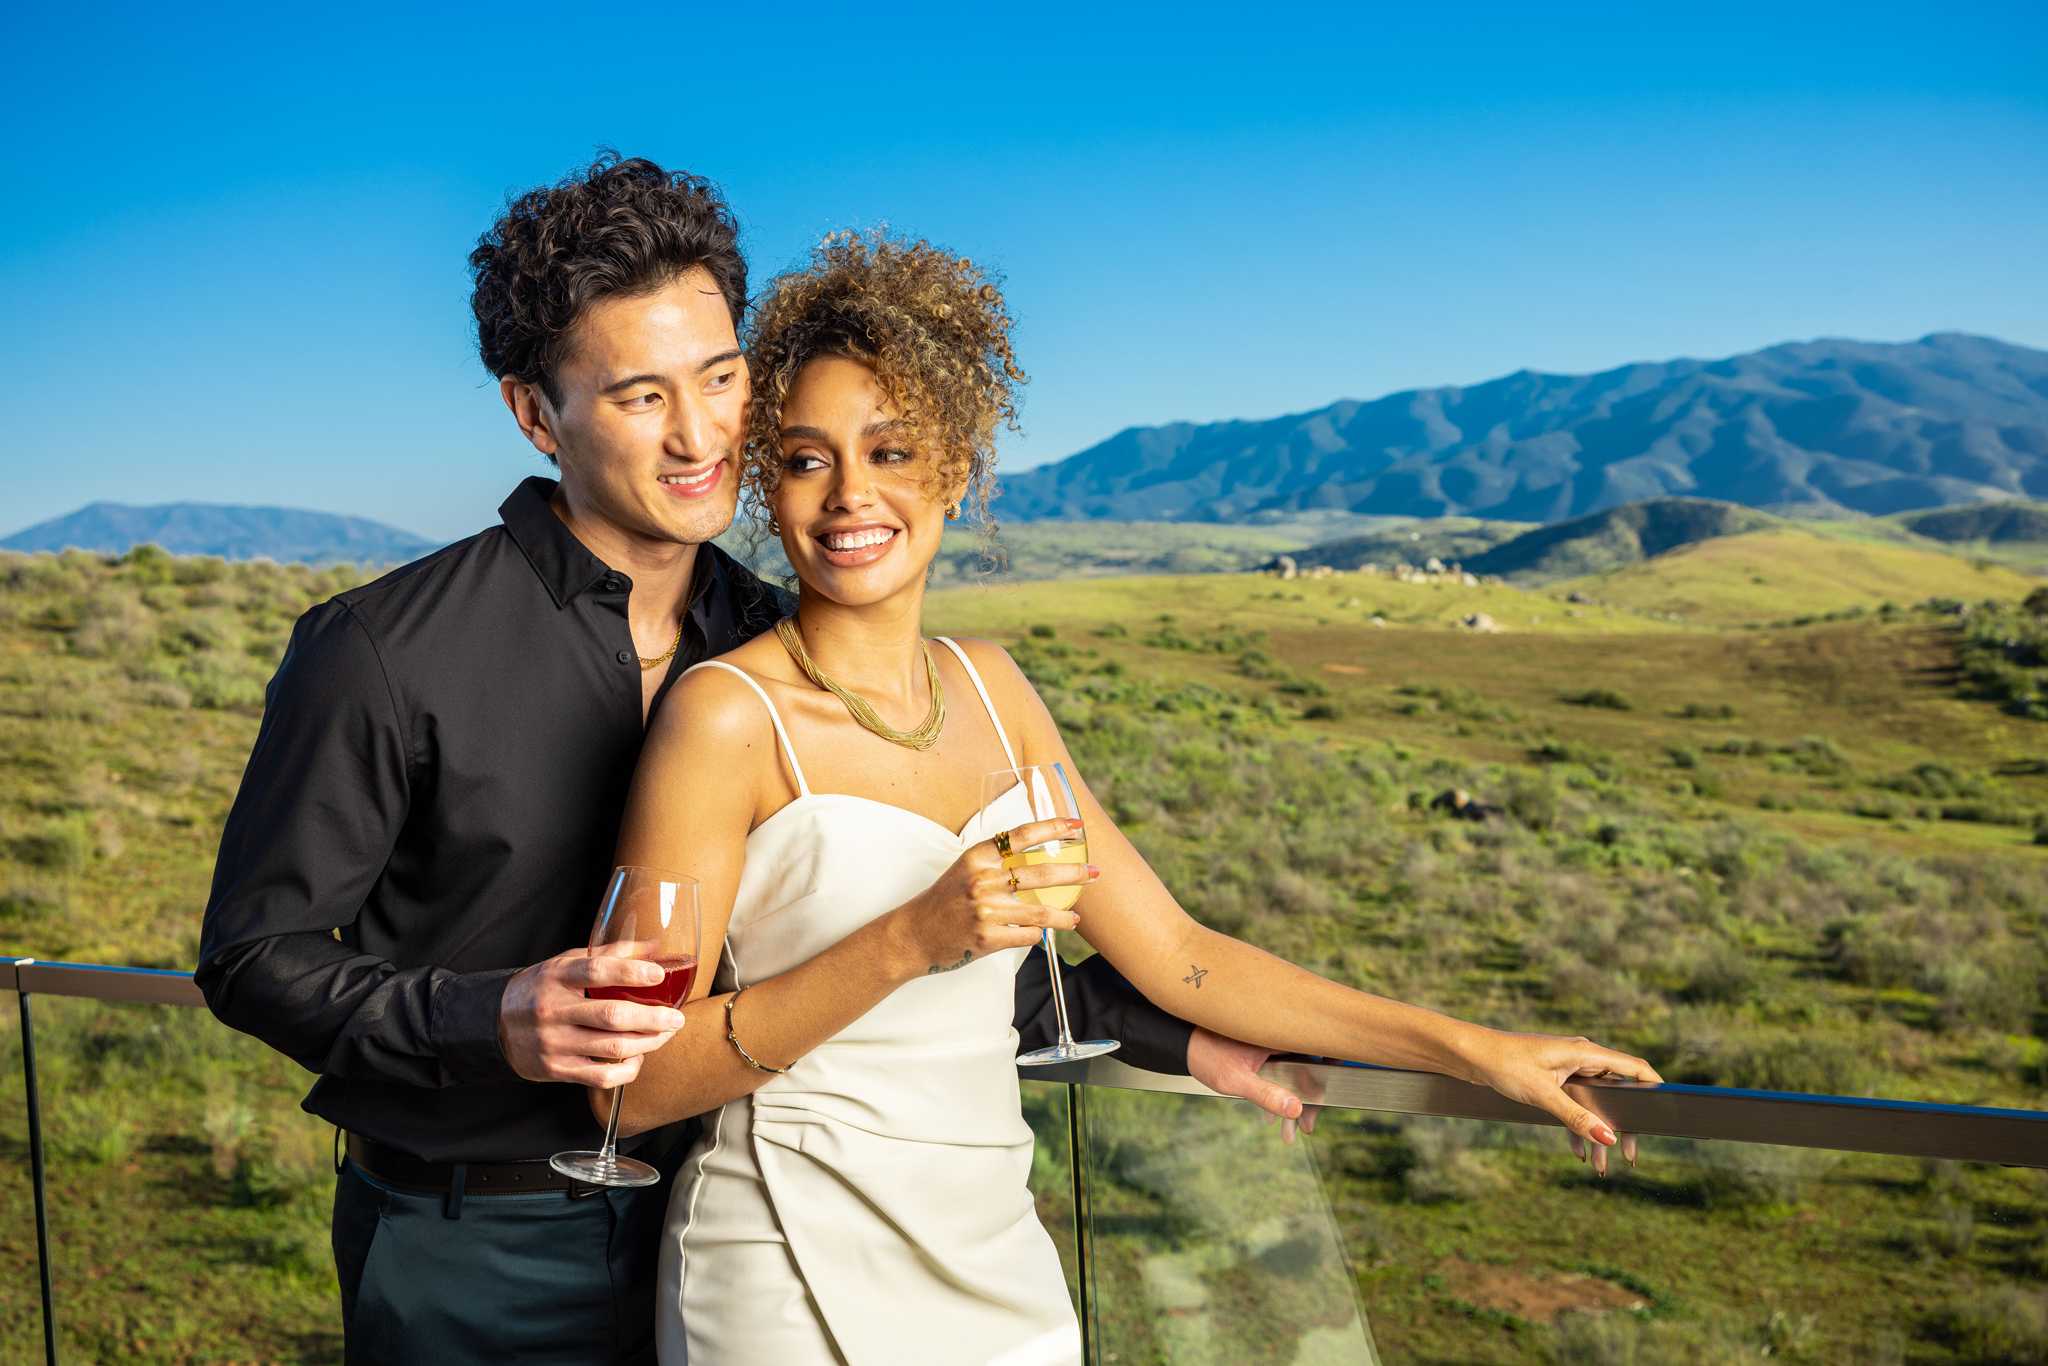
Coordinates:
(650, 914)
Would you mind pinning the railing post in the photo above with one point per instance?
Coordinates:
(35, 1159)
(1084, 1252)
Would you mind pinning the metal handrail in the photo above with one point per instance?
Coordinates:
(1906, 1128)
(100, 982)
(1968, 1133)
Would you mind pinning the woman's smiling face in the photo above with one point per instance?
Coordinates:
(859, 516)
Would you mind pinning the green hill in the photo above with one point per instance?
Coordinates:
(1791, 572)
(2013, 532)
(1619, 536)
(2016, 520)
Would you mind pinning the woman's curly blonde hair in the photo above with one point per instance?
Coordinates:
(932, 326)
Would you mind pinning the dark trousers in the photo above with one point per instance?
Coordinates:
(527, 1278)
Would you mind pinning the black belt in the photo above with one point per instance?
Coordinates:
(402, 1170)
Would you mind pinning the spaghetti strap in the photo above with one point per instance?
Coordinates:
(788, 750)
(975, 675)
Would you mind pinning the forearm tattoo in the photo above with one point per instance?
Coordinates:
(966, 957)
(1195, 976)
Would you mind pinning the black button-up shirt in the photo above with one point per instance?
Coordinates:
(432, 804)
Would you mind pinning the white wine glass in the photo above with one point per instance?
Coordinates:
(653, 915)
(1049, 797)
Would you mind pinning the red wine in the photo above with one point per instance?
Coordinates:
(669, 991)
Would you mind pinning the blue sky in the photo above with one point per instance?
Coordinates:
(233, 257)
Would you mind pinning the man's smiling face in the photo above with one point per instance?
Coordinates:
(651, 412)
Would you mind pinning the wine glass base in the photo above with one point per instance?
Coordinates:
(1069, 1052)
(595, 1169)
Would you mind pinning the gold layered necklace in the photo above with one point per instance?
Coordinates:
(923, 737)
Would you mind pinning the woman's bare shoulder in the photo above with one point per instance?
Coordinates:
(1008, 686)
(711, 710)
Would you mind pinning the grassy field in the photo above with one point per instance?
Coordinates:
(1793, 856)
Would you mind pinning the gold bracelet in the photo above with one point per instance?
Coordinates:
(734, 1039)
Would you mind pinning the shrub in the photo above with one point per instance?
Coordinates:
(147, 564)
(1735, 1175)
(1717, 971)
(2005, 1323)
(1993, 986)
(1877, 951)
(1041, 631)
(215, 687)
(1806, 1062)
(1816, 755)
(61, 845)
(1599, 697)
(1533, 799)
(1703, 711)
(1439, 1164)
(1257, 664)
(1933, 782)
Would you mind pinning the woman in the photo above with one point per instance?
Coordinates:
(860, 1194)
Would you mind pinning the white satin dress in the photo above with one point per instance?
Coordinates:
(871, 1205)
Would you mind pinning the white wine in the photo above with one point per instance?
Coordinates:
(1058, 851)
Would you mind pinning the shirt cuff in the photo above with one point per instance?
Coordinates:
(1158, 1044)
(465, 1026)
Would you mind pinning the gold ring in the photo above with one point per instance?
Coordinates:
(1003, 843)
(1013, 882)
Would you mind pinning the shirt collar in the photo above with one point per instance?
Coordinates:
(565, 565)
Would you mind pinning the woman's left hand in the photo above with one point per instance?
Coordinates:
(1533, 1068)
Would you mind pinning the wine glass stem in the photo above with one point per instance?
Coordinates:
(1059, 996)
(609, 1155)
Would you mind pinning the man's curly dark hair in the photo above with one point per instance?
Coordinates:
(623, 226)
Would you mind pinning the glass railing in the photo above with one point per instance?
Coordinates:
(1426, 1220)
(160, 1170)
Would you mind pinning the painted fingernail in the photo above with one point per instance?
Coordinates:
(1604, 1134)
(1073, 823)
(1093, 871)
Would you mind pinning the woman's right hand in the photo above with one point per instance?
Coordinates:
(974, 908)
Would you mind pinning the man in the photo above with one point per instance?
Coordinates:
(412, 863)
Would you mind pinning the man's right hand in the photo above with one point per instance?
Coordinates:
(550, 1031)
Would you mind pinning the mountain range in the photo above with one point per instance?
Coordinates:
(1810, 427)
(233, 533)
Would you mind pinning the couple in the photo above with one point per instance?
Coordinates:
(453, 757)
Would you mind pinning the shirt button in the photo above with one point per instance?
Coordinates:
(614, 585)
(625, 656)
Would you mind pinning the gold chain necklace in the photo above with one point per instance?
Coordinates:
(666, 655)
(924, 737)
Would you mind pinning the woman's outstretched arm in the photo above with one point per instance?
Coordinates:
(1235, 989)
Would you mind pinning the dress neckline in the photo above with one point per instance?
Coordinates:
(955, 836)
